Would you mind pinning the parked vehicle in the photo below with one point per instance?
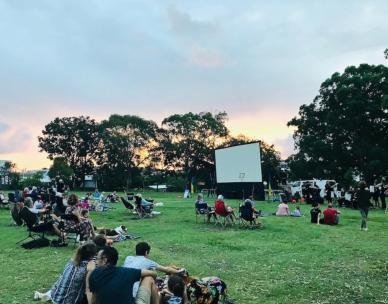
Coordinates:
(297, 186)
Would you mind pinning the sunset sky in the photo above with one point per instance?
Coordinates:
(256, 60)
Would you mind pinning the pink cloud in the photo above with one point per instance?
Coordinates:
(13, 140)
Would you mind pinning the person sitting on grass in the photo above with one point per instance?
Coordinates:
(175, 293)
(141, 261)
(202, 208)
(70, 287)
(315, 213)
(331, 215)
(296, 212)
(222, 209)
(283, 210)
(111, 284)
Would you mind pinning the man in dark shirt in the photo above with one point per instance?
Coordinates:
(315, 214)
(110, 284)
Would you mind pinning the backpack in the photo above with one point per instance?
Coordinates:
(38, 243)
(211, 290)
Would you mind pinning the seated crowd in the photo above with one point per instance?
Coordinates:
(246, 210)
(49, 210)
(93, 276)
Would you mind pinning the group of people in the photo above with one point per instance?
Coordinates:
(331, 215)
(93, 277)
(246, 211)
(46, 213)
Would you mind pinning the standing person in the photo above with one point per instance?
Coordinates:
(111, 284)
(376, 195)
(382, 196)
(363, 197)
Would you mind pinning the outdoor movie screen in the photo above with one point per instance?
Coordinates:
(239, 164)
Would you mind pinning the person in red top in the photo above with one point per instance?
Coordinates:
(222, 209)
(331, 215)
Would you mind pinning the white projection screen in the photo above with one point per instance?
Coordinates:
(239, 164)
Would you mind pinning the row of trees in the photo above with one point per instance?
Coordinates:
(344, 132)
(129, 151)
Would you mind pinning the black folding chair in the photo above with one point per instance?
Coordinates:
(30, 220)
(127, 204)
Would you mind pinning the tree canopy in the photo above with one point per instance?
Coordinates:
(127, 142)
(73, 138)
(188, 140)
(345, 128)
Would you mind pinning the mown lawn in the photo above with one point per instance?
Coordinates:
(288, 261)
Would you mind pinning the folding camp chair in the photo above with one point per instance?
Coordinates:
(202, 210)
(246, 216)
(127, 204)
(33, 230)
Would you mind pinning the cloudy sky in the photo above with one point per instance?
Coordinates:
(256, 60)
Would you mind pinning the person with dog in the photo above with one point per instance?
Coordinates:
(141, 261)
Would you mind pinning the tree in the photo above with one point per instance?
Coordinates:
(32, 180)
(126, 144)
(386, 53)
(61, 168)
(187, 142)
(345, 128)
(73, 138)
(9, 176)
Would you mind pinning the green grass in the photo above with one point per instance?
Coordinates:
(288, 261)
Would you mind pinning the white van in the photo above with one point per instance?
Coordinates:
(298, 185)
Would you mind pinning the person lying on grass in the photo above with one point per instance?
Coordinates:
(141, 261)
(70, 287)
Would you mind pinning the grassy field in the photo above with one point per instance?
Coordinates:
(288, 261)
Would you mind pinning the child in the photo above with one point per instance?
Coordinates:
(296, 212)
(175, 292)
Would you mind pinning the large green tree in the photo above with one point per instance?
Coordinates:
(127, 141)
(61, 168)
(187, 142)
(345, 128)
(73, 138)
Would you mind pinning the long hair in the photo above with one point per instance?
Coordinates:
(176, 285)
(85, 253)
